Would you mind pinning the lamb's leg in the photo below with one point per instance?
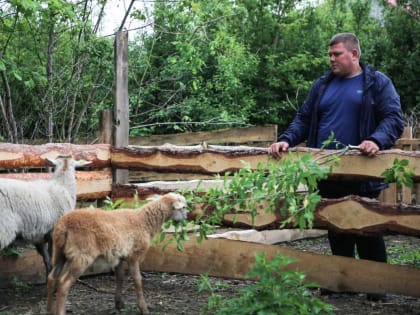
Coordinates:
(51, 286)
(134, 268)
(119, 277)
(71, 272)
(53, 276)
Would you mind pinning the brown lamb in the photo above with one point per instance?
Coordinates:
(86, 235)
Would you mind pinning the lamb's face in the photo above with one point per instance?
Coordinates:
(179, 206)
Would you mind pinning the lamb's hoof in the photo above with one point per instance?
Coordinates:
(377, 297)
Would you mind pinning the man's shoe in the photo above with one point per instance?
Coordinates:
(377, 297)
(324, 291)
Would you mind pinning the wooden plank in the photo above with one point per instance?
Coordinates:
(408, 144)
(89, 184)
(135, 176)
(212, 159)
(269, 236)
(21, 155)
(389, 195)
(407, 195)
(247, 135)
(417, 192)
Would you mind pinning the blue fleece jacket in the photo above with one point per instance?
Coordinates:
(380, 116)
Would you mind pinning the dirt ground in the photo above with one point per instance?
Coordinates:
(178, 294)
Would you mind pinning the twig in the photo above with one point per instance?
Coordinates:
(93, 288)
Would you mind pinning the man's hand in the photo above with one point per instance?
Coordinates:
(276, 148)
(369, 147)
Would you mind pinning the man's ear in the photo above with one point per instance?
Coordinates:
(355, 53)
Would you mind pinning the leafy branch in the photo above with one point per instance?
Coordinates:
(290, 186)
(399, 173)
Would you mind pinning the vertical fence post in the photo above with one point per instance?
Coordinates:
(105, 132)
(121, 111)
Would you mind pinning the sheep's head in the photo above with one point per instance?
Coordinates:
(65, 162)
(179, 206)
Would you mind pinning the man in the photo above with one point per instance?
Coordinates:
(361, 107)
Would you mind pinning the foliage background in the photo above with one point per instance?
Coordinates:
(195, 65)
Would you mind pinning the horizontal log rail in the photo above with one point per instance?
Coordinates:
(352, 214)
(89, 184)
(15, 156)
(213, 159)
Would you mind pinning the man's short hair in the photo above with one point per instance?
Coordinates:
(349, 40)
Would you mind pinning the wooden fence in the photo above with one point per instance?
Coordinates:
(217, 255)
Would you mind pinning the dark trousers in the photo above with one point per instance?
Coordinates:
(344, 244)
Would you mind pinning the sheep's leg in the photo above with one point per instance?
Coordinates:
(42, 249)
(119, 277)
(134, 268)
(49, 241)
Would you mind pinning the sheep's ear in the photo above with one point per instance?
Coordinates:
(51, 161)
(82, 163)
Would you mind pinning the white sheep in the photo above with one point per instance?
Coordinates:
(30, 208)
(83, 236)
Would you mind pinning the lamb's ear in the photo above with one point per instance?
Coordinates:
(82, 163)
(180, 203)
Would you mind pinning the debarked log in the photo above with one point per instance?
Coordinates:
(216, 159)
(20, 155)
(351, 214)
(89, 184)
(234, 259)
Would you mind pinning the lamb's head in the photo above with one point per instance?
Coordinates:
(178, 206)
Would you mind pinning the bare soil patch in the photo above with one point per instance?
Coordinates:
(178, 294)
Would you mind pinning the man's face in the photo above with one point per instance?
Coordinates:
(343, 62)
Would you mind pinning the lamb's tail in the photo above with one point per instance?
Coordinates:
(58, 261)
(59, 244)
